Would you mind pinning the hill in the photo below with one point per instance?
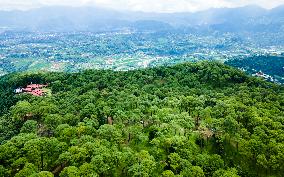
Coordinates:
(270, 65)
(192, 119)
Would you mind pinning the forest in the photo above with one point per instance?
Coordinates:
(198, 119)
(265, 64)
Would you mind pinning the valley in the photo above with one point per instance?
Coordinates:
(125, 50)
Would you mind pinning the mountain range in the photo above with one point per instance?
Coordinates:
(62, 19)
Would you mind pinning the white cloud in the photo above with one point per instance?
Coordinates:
(141, 5)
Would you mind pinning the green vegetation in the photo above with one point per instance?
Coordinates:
(271, 65)
(47, 91)
(76, 51)
(193, 120)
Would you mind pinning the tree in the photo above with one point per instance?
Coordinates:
(136, 135)
(168, 173)
(144, 165)
(209, 163)
(45, 107)
(43, 174)
(175, 162)
(65, 133)
(87, 170)
(22, 110)
(262, 163)
(52, 121)
(88, 111)
(194, 171)
(9, 127)
(110, 133)
(28, 170)
(75, 156)
(70, 119)
(226, 173)
(11, 151)
(43, 152)
(70, 171)
(30, 126)
(3, 171)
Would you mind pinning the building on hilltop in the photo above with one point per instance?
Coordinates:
(36, 86)
(34, 89)
(19, 90)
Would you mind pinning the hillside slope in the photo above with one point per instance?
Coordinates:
(192, 119)
(271, 65)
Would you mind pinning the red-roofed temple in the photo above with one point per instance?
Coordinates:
(34, 89)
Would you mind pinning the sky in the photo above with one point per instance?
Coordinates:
(140, 5)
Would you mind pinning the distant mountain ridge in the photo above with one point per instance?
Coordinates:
(60, 18)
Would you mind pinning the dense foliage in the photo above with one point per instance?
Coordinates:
(193, 119)
(271, 65)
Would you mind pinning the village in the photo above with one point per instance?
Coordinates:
(33, 89)
(56, 52)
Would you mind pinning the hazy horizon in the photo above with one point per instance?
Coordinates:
(136, 5)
